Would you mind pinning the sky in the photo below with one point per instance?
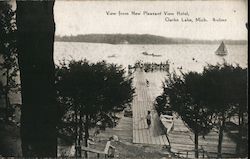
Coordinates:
(85, 17)
(74, 17)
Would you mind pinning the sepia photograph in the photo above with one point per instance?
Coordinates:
(124, 79)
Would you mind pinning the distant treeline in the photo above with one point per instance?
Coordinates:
(138, 39)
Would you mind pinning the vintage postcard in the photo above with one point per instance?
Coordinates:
(124, 79)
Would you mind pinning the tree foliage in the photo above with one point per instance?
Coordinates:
(92, 90)
(97, 87)
(185, 97)
(226, 95)
(161, 105)
(226, 88)
(208, 99)
(8, 48)
(8, 53)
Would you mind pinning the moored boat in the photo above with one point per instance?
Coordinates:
(167, 122)
(147, 54)
(111, 56)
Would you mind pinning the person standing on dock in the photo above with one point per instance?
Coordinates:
(149, 119)
(147, 82)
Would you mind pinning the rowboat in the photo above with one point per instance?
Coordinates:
(147, 54)
(167, 122)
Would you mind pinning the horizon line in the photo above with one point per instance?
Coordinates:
(154, 35)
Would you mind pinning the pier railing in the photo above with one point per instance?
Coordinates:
(191, 153)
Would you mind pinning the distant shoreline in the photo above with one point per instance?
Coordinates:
(140, 39)
(217, 43)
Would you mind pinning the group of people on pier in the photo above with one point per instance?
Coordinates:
(149, 66)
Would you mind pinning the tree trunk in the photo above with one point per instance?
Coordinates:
(7, 101)
(196, 135)
(36, 28)
(221, 131)
(80, 133)
(196, 138)
(240, 129)
(76, 132)
(86, 133)
(196, 143)
(7, 107)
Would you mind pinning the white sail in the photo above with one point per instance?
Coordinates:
(222, 50)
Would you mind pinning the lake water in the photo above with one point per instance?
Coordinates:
(189, 57)
(178, 55)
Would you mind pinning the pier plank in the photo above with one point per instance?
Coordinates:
(141, 104)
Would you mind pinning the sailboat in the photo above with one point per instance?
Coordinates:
(222, 50)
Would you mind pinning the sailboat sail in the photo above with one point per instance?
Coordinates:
(222, 50)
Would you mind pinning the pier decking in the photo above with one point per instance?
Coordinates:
(143, 101)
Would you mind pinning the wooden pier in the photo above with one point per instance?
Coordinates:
(181, 138)
(142, 103)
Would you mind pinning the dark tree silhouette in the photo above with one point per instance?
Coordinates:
(185, 97)
(92, 93)
(35, 25)
(225, 95)
(8, 53)
(239, 100)
(162, 104)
